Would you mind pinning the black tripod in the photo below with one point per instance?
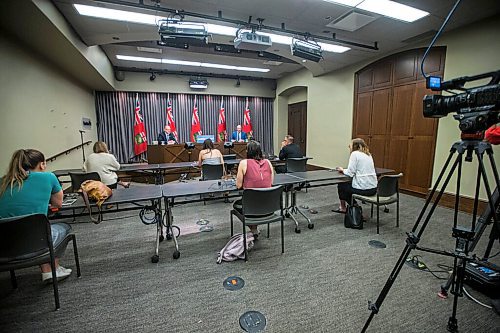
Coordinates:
(482, 223)
(464, 236)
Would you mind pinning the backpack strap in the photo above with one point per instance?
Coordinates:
(87, 204)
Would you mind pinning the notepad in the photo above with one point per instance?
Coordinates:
(68, 202)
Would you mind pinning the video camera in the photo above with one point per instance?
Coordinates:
(477, 108)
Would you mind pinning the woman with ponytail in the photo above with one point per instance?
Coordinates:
(25, 190)
(362, 171)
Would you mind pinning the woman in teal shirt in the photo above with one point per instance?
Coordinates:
(25, 190)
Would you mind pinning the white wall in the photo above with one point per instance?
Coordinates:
(42, 108)
(471, 50)
(180, 84)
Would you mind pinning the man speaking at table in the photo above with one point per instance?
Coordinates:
(238, 135)
(167, 136)
(289, 149)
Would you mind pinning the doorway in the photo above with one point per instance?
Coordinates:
(297, 124)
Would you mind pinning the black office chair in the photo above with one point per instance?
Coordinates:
(260, 206)
(229, 157)
(212, 171)
(387, 193)
(77, 178)
(297, 164)
(27, 241)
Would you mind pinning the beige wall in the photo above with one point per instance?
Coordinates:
(298, 96)
(41, 108)
(471, 50)
(180, 84)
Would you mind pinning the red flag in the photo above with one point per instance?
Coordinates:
(247, 122)
(140, 141)
(221, 126)
(170, 118)
(195, 123)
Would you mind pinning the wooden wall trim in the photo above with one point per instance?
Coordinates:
(466, 204)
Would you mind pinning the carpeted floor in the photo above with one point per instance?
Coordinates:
(322, 282)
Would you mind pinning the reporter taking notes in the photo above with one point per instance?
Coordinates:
(166, 136)
(362, 171)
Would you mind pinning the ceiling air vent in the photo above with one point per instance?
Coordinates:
(351, 21)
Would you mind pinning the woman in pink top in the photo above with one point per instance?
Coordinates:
(254, 172)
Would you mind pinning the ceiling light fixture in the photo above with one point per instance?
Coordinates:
(387, 8)
(305, 49)
(393, 9)
(192, 63)
(127, 16)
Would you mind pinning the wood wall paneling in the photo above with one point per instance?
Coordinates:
(391, 120)
(363, 116)
(382, 75)
(405, 69)
(365, 80)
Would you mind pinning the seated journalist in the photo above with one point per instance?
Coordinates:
(289, 149)
(27, 189)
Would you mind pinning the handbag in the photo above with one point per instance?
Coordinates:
(96, 191)
(353, 217)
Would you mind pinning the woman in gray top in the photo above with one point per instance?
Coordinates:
(210, 155)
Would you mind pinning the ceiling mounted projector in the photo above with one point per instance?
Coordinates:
(178, 31)
(251, 41)
(306, 50)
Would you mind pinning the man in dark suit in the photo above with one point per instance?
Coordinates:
(238, 135)
(288, 150)
(167, 136)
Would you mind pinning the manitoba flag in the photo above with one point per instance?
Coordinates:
(247, 122)
(170, 118)
(140, 141)
(195, 123)
(221, 126)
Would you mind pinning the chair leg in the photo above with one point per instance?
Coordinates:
(54, 283)
(397, 213)
(77, 258)
(245, 241)
(13, 279)
(231, 217)
(378, 218)
(371, 214)
(268, 230)
(282, 237)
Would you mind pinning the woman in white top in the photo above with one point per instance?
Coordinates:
(362, 171)
(105, 164)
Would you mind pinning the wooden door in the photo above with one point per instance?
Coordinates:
(421, 144)
(297, 124)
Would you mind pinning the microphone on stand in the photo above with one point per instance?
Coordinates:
(81, 131)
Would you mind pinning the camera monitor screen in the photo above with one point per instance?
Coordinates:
(434, 83)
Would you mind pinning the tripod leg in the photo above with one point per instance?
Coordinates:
(412, 239)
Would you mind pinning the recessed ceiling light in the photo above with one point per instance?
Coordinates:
(122, 15)
(393, 9)
(192, 63)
